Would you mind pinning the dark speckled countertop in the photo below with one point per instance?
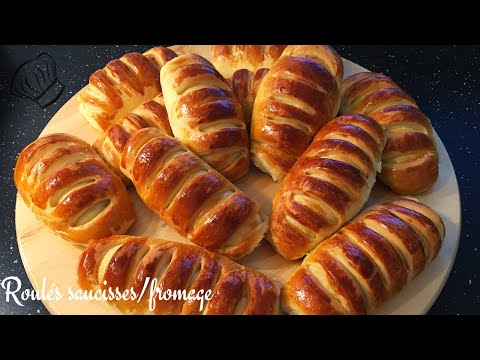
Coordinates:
(445, 81)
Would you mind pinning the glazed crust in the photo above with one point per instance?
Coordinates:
(245, 85)
(367, 261)
(327, 186)
(227, 59)
(294, 100)
(189, 195)
(68, 186)
(127, 261)
(122, 85)
(321, 54)
(410, 158)
(205, 115)
(244, 66)
(111, 143)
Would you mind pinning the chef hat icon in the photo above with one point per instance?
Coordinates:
(37, 80)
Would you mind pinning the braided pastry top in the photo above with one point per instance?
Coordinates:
(126, 262)
(111, 143)
(229, 58)
(294, 100)
(122, 85)
(205, 115)
(70, 188)
(190, 196)
(367, 261)
(327, 186)
(410, 158)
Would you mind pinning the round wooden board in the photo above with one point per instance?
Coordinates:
(46, 255)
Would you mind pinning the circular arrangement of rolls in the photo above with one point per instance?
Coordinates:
(180, 128)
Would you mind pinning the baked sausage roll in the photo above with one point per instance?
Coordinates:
(205, 115)
(367, 261)
(122, 85)
(327, 186)
(294, 100)
(410, 158)
(197, 201)
(131, 263)
(111, 143)
(68, 186)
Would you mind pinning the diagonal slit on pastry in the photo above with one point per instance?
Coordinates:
(111, 143)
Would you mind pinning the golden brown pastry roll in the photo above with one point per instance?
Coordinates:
(227, 59)
(327, 186)
(132, 263)
(122, 85)
(367, 261)
(294, 100)
(68, 186)
(197, 201)
(410, 158)
(205, 115)
(111, 143)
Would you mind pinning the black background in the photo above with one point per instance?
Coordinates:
(444, 80)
